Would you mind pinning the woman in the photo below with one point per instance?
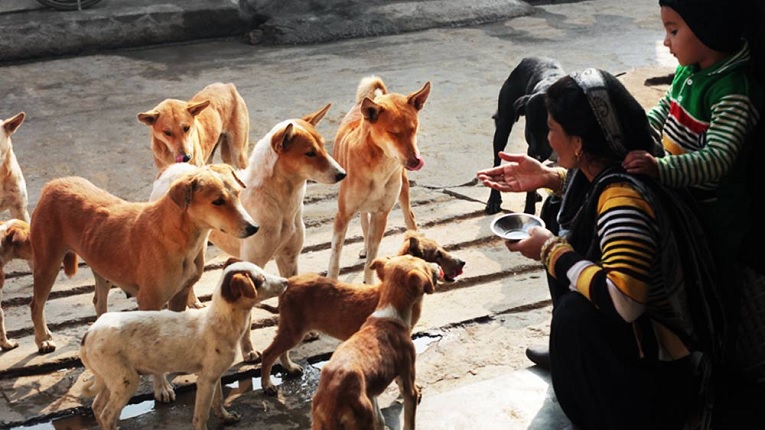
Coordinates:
(622, 331)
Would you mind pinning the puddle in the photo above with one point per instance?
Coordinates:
(422, 343)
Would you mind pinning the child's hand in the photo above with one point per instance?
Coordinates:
(641, 162)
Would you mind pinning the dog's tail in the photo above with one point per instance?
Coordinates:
(70, 264)
(269, 308)
(370, 86)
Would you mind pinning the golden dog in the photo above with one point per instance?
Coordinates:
(376, 144)
(14, 244)
(147, 249)
(191, 131)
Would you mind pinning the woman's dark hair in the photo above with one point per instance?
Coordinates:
(568, 105)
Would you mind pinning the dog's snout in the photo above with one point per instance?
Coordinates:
(415, 163)
(250, 230)
(340, 176)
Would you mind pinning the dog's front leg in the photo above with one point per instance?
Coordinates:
(404, 200)
(410, 392)
(163, 390)
(338, 240)
(227, 417)
(5, 343)
(249, 355)
(378, 221)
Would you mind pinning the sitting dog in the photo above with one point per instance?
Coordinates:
(13, 194)
(147, 249)
(376, 143)
(382, 350)
(191, 131)
(199, 341)
(14, 243)
(338, 309)
(523, 94)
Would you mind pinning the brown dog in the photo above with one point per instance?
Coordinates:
(14, 244)
(191, 131)
(338, 309)
(381, 351)
(376, 144)
(147, 249)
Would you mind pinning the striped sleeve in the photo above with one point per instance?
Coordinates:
(619, 283)
(658, 114)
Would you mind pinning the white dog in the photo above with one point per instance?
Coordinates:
(120, 346)
(13, 194)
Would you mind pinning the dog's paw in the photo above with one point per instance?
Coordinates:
(196, 305)
(293, 369)
(163, 390)
(311, 336)
(7, 345)
(251, 357)
(363, 253)
(230, 418)
(270, 389)
(46, 347)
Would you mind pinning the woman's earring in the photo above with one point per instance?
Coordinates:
(577, 154)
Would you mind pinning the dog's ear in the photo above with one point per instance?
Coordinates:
(19, 239)
(281, 143)
(378, 265)
(148, 118)
(225, 169)
(416, 280)
(236, 285)
(370, 109)
(230, 261)
(417, 99)
(413, 245)
(11, 124)
(520, 106)
(317, 116)
(195, 108)
(182, 191)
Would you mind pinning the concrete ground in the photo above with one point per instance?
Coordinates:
(472, 336)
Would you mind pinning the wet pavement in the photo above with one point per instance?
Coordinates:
(81, 121)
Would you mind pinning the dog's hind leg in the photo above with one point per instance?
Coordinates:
(338, 240)
(121, 385)
(101, 295)
(44, 276)
(280, 346)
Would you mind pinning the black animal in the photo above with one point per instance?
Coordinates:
(523, 93)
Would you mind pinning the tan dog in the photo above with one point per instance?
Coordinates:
(338, 309)
(376, 143)
(147, 249)
(13, 194)
(191, 131)
(199, 341)
(14, 243)
(382, 351)
(280, 165)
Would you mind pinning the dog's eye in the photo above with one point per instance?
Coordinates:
(219, 202)
(186, 128)
(310, 154)
(168, 133)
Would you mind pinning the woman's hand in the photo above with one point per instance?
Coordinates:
(521, 174)
(532, 245)
(641, 162)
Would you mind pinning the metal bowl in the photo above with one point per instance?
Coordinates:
(515, 226)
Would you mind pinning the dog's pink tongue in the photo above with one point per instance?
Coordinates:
(179, 159)
(415, 163)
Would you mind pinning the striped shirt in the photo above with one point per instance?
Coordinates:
(704, 118)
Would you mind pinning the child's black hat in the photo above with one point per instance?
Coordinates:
(714, 22)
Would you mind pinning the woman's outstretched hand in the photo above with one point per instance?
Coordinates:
(532, 245)
(521, 173)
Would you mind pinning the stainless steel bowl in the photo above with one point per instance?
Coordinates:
(515, 226)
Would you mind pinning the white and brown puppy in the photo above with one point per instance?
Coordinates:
(190, 131)
(336, 308)
(149, 249)
(14, 244)
(380, 352)
(280, 166)
(376, 143)
(13, 193)
(198, 341)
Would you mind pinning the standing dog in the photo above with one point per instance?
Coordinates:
(13, 194)
(523, 94)
(338, 309)
(14, 243)
(376, 143)
(382, 350)
(191, 131)
(280, 166)
(200, 341)
(147, 249)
